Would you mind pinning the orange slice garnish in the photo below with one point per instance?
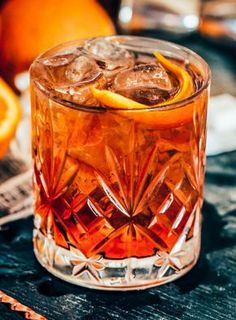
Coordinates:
(9, 116)
(152, 115)
(185, 80)
(115, 100)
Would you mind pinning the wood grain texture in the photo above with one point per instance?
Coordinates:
(207, 292)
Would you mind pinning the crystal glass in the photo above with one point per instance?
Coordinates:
(118, 192)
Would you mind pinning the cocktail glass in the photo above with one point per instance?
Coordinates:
(118, 184)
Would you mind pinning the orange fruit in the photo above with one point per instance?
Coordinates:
(31, 27)
(161, 117)
(9, 116)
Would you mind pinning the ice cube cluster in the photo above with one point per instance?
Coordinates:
(104, 64)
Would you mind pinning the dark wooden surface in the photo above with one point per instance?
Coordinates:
(207, 292)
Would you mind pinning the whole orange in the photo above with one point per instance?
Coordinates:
(30, 27)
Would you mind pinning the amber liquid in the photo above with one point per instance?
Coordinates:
(112, 185)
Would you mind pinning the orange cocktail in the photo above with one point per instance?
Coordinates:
(119, 151)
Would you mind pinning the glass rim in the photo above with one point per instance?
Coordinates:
(168, 106)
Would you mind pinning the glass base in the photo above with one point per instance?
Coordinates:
(121, 275)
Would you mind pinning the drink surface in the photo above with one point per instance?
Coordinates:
(109, 181)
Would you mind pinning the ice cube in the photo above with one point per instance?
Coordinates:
(146, 59)
(82, 69)
(73, 68)
(109, 54)
(69, 76)
(145, 83)
(58, 60)
(143, 75)
(52, 69)
(80, 92)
